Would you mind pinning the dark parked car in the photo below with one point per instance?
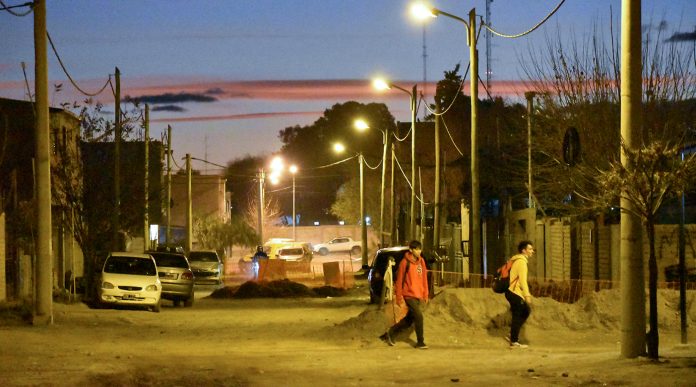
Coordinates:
(176, 277)
(379, 266)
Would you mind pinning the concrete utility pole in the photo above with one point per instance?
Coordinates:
(146, 182)
(530, 111)
(475, 235)
(363, 222)
(632, 280)
(189, 206)
(117, 162)
(436, 209)
(168, 235)
(43, 309)
(261, 177)
(385, 144)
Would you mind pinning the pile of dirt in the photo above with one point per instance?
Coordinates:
(456, 310)
(276, 289)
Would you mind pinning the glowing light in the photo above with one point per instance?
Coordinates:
(420, 11)
(293, 169)
(361, 125)
(339, 148)
(277, 164)
(380, 84)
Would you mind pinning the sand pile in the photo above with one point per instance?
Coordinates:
(457, 312)
(276, 289)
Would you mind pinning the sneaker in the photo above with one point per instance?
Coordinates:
(517, 345)
(421, 346)
(386, 337)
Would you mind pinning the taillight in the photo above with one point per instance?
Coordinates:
(187, 275)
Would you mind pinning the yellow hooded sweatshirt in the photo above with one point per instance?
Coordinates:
(518, 276)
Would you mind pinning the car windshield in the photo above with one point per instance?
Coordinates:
(171, 260)
(382, 259)
(297, 251)
(130, 265)
(203, 256)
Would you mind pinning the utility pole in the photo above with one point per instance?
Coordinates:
(530, 111)
(392, 223)
(363, 222)
(475, 235)
(385, 143)
(261, 177)
(632, 274)
(116, 246)
(436, 209)
(189, 207)
(412, 226)
(168, 235)
(43, 309)
(146, 182)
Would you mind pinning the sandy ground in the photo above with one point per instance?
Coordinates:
(333, 341)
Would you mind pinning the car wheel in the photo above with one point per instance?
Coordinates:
(355, 250)
(189, 301)
(323, 251)
(156, 307)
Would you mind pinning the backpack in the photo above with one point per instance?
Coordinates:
(501, 279)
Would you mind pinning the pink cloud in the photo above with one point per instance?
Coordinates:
(237, 116)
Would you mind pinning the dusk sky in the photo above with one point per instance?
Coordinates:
(268, 64)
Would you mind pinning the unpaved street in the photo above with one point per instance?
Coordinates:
(324, 341)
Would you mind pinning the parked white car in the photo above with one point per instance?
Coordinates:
(130, 279)
(339, 244)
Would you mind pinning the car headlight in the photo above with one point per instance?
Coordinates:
(151, 288)
(107, 285)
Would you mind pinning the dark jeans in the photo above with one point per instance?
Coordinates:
(520, 311)
(414, 315)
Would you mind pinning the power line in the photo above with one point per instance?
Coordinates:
(108, 81)
(9, 8)
(489, 28)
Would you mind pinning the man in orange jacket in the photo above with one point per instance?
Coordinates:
(411, 287)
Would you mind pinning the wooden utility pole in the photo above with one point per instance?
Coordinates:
(436, 209)
(475, 234)
(189, 206)
(116, 246)
(168, 235)
(43, 309)
(146, 182)
(632, 280)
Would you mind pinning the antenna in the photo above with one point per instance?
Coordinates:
(489, 36)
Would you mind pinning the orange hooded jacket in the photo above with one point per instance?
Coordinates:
(413, 284)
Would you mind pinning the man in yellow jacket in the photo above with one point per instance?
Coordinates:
(518, 294)
(411, 288)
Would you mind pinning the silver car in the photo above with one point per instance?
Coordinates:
(176, 277)
(207, 267)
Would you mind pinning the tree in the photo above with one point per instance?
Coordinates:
(657, 174)
(212, 233)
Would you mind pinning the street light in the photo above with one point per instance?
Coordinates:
(381, 84)
(293, 171)
(361, 125)
(424, 12)
(339, 148)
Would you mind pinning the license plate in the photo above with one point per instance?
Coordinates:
(130, 296)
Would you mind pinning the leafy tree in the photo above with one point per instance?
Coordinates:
(212, 233)
(656, 174)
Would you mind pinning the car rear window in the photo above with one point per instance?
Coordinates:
(130, 265)
(297, 251)
(171, 260)
(382, 259)
(203, 256)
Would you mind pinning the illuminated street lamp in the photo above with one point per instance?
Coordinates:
(293, 171)
(423, 12)
(339, 148)
(381, 84)
(362, 125)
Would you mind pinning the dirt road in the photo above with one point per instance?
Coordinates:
(317, 342)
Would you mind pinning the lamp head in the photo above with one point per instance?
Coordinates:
(339, 148)
(293, 169)
(380, 84)
(277, 164)
(361, 125)
(421, 11)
